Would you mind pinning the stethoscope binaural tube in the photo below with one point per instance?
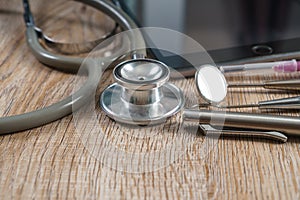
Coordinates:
(71, 64)
(65, 107)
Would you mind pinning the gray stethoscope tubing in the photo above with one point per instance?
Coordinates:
(60, 109)
(71, 64)
(51, 113)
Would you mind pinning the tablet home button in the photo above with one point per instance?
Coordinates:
(262, 50)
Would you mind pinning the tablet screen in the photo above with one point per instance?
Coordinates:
(229, 29)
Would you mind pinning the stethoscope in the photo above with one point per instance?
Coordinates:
(65, 107)
(141, 94)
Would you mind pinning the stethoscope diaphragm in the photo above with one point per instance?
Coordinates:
(142, 94)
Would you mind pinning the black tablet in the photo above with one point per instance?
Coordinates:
(232, 31)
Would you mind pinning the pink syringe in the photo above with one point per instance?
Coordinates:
(281, 66)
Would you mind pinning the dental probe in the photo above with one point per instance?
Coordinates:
(284, 103)
(293, 84)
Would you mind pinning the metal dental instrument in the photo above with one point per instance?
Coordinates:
(209, 78)
(281, 85)
(274, 135)
(287, 125)
(69, 64)
(284, 103)
(212, 86)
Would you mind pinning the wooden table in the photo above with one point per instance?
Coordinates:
(54, 162)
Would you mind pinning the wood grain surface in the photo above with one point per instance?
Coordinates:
(68, 159)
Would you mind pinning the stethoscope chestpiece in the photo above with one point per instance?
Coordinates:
(141, 94)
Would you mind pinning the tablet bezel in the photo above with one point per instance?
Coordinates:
(258, 52)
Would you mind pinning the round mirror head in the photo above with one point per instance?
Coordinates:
(211, 84)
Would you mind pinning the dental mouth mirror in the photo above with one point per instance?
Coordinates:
(209, 78)
(211, 84)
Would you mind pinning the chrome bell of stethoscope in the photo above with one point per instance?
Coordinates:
(141, 94)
